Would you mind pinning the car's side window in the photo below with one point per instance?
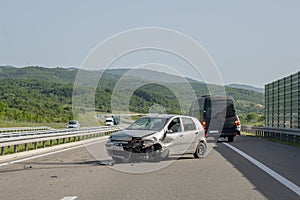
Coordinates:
(174, 125)
(188, 124)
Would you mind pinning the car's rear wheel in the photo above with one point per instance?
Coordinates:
(200, 150)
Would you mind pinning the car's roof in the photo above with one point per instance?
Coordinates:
(165, 116)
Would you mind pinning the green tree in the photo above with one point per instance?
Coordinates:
(251, 117)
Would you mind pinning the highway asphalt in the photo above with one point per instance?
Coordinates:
(223, 174)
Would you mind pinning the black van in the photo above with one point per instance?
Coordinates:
(217, 115)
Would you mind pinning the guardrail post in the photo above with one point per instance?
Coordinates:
(25, 147)
(2, 151)
(44, 144)
(35, 145)
(15, 148)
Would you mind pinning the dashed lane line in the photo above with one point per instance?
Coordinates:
(69, 198)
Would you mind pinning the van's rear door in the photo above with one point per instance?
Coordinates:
(219, 114)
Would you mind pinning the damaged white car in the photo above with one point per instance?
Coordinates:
(156, 138)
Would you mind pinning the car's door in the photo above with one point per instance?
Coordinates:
(189, 135)
(173, 140)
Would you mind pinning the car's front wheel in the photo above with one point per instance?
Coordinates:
(164, 154)
(200, 150)
(117, 160)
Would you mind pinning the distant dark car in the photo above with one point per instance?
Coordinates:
(217, 114)
(73, 124)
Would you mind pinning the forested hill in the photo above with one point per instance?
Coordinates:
(57, 75)
(45, 94)
(247, 87)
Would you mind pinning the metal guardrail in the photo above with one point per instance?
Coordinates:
(283, 134)
(57, 138)
(22, 129)
(41, 131)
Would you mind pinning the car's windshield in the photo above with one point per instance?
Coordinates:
(72, 122)
(148, 123)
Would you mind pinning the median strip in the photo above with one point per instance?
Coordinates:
(33, 142)
(51, 153)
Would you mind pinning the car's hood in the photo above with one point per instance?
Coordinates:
(129, 134)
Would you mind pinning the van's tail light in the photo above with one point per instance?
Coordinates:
(204, 123)
(204, 126)
(237, 122)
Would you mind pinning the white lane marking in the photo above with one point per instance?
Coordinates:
(69, 198)
(266, 169)
(50, 153)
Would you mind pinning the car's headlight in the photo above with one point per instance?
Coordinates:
(148, 142)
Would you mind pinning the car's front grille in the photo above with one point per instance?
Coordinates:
(119, 142)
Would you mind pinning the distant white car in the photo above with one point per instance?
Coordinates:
(157, 137)
(73, 124)
(109, 121)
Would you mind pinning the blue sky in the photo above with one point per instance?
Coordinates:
(252, 42)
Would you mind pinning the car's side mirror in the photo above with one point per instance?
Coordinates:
(166, 133)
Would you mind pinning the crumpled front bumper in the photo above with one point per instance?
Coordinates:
(117, 150)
